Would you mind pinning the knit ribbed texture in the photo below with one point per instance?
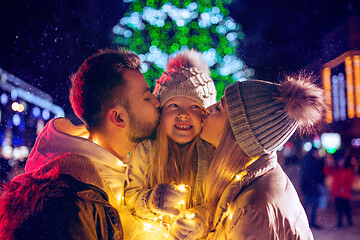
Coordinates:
(186, 82)
(258, 120)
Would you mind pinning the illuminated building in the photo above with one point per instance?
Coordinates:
(24, 111)
(341, 81)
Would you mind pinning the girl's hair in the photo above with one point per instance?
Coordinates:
(171, 162)
(228, 160)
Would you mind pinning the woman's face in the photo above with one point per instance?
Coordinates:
(181, 118)
(214, 123)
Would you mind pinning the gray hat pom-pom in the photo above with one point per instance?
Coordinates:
(304, 101)
(189, 59)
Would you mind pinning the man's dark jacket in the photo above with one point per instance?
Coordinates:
(63, 194)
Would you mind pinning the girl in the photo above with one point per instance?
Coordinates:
(248, 196)
(176, 157)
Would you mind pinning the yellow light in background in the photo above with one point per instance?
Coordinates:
(21, 107)
(15, 106)
(326, 78)
(350, 87)
(356, 62)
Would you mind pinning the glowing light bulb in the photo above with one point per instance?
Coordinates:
(147, 227)
(119, 197)
(230, 215)
(189, 215)
(182, 187)
(121, 163)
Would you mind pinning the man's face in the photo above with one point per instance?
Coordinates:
(142, 106)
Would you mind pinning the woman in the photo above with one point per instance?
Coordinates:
(248, 196)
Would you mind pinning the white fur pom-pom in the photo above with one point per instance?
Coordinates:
(189, 59)
(305, 102)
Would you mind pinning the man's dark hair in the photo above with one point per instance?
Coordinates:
(98, 84)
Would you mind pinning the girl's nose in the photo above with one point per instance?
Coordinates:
(183, 115)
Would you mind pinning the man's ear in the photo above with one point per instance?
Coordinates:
(118, 116)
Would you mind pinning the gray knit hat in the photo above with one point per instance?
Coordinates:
(186, 75)
(264, 115)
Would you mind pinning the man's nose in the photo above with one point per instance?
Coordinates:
(156, 102)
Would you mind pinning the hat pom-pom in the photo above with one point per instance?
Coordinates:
(189, 59)
(304, 101)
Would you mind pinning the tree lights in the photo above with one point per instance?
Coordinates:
(156, 30)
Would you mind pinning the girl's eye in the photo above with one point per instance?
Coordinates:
(147, 99)
(173, 105)
(196, 107)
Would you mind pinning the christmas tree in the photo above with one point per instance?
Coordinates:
(157, 29)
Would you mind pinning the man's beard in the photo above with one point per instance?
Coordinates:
(141, 130)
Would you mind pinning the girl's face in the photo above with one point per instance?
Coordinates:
(214, 123)
(181, 118)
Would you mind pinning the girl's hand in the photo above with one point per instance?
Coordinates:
(188, 227)
(166, 198)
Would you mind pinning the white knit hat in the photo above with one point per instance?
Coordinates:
(264, 115)
(186, 75)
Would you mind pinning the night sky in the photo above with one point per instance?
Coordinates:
(43, 42)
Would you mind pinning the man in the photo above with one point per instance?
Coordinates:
(74, 178)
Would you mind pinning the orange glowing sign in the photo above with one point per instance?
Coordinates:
(326, 77)
(356, 60)
(350, 87)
